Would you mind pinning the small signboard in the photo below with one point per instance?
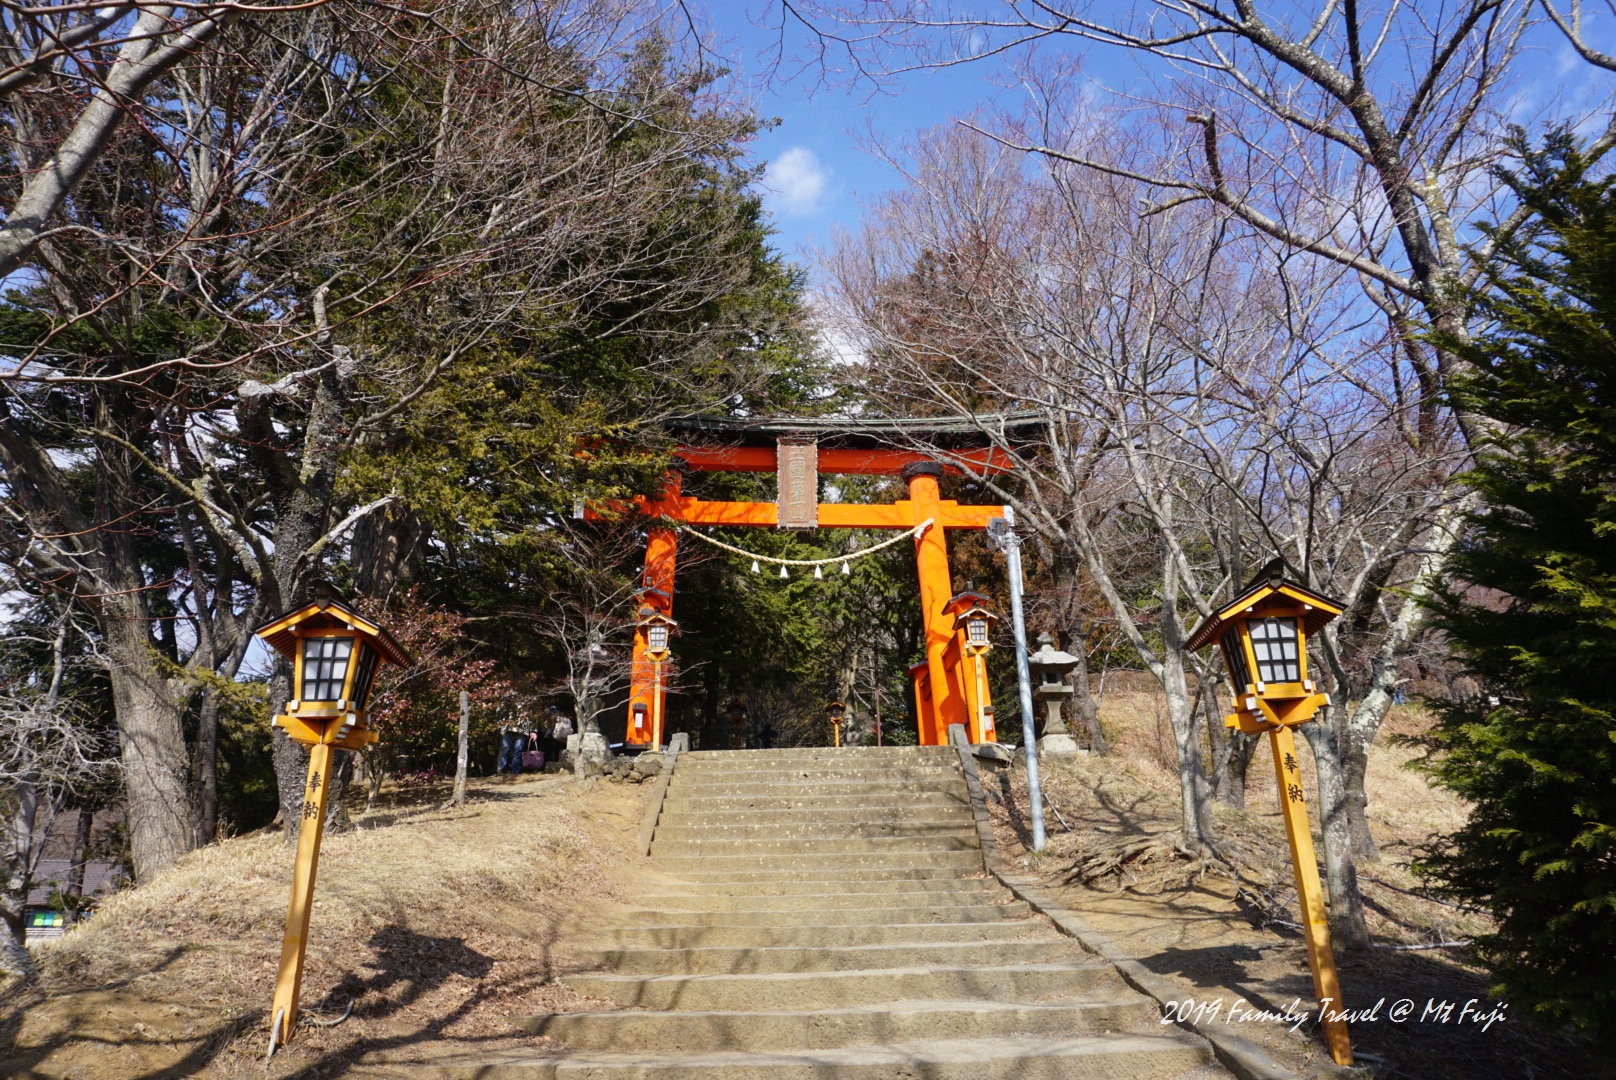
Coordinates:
(798, 464)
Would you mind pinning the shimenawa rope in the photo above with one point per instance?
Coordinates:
(817, 564)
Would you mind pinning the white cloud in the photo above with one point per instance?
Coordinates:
(795, 181)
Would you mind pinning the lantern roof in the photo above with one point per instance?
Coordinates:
(1050, 657)
(965, 600)
(1269, 583)
(648, 615)
(329, 614)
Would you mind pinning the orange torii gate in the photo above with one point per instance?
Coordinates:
(797, 451)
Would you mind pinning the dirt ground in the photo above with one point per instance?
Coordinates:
(1208, 929)
(436, 923)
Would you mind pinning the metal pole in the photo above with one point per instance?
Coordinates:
(1029, 728)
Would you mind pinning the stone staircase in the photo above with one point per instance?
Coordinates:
(828, 916)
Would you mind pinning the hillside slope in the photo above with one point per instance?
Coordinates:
(436, 923)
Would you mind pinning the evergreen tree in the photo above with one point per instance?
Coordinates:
(1531, 606)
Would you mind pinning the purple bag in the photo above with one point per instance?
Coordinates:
(533, 759)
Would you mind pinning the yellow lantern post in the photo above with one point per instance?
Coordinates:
(335, 655)
(973, 624)
(1263, 636)
(837, 713)
(656, 628)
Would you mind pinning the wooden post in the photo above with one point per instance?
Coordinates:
(656, 707)
(979, 704)
(463, 753)
(1315, 925)
(289, 983)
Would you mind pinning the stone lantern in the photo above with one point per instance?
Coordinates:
(1051, 666)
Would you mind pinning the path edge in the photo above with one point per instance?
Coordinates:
(1239, 1055)
(659, 794)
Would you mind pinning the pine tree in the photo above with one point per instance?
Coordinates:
(1531, 606)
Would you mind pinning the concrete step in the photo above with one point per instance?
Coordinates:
(823, 937)
(885, 755)
(791, 885)
(959, 840)
(721, 960)
(678, 789)
(923, 899)
(866, 804)
(787, 817)
(705, 1032)
(833, 916)
(846, 989)
(697, 865)
(1157, 1056)
(874, 776)
(854, 875)
(692, 829)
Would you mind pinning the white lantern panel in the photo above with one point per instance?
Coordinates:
(1274, 643)
(325, 667)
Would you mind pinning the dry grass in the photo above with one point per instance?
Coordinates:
(437, 924)
(1212, 927)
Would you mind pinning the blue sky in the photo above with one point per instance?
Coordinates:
(817, 171)
(816, 168)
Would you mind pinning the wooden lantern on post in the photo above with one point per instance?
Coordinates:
(837, 713)
(658, 630)
(973, 628)
(1263, 635)
(737, 718)
(335, 654)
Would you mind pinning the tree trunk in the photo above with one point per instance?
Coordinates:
(1357, 733)
(1232, 778)
(1217, 736)
(336, 805)
(291, 760)
(1348, 931)
(462, 753)
(207, 768)
(304, 492)
(1355, 764)
(156, 764)
(14, 958)
(1195, 791)
(378, 760)
(1082, 700)
(81, 852)
(386, 546)
(710, 737)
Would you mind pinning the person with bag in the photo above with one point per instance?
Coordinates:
(533, 756)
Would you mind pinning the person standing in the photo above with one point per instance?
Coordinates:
(560, 732)
(511, 740)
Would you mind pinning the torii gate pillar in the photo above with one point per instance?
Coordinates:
(661, 554)
(931, 558)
